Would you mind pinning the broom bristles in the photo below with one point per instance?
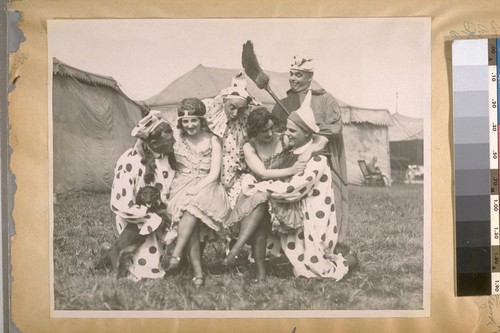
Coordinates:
(262, 80)
(252, 67)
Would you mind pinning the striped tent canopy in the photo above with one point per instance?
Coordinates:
(92, 119)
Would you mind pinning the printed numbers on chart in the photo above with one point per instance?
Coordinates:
(495, 235)
(495, 155)
(493, 104)
(470, 30)
(497, 286)
(495, 181)
(494, 127)
(495, 205)
(493, 77)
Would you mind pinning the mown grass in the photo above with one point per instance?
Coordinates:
(385, 227)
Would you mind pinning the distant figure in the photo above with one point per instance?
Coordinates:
(414, 174)
(373, 169)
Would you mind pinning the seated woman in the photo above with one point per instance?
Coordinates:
(149, 163)
(266, 159)
(310, 244)
(198, 202)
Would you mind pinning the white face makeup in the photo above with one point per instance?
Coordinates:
(233, 107)
(296, 137)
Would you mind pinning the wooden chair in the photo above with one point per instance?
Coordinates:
(370, 179)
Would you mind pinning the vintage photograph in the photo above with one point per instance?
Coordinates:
(240, 167)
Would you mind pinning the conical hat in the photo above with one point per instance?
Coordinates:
(304, 116)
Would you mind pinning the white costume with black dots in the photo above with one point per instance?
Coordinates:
(233, 134)
(128, 179)
(309, 247)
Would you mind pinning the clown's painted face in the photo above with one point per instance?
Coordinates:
(163, 144)
(296, 136)
(299, 80)
(234, 106)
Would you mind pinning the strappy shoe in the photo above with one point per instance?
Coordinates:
(198, 281)
(173, 264)
(230, 260)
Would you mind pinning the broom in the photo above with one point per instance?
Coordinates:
(255, 72)
(261, 79)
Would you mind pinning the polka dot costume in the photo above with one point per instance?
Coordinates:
(310, 246)
(233, 135)
(128, 179)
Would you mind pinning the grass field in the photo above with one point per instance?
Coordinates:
(385, 227)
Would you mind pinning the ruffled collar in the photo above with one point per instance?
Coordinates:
(303, 148)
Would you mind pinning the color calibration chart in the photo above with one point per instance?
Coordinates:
(476, 143)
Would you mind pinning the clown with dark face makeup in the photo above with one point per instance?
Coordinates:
(149, 163)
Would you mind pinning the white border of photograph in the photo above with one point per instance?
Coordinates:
(148, 75)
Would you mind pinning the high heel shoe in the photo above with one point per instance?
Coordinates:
(230, 260)
(173, 264)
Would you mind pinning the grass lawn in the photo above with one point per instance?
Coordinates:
(385, 227)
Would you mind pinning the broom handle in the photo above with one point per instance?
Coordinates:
(273, 95)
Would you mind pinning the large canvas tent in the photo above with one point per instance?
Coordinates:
(92, 120)
(365, 130)
(366, 136)
(406, 141)
(204, 82)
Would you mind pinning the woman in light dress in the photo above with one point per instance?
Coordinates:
(198, 203)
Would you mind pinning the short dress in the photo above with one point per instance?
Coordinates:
(210, 205)
(285, 214)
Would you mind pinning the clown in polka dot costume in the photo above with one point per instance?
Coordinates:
(136, 168)
(310, 246)
(227, 118)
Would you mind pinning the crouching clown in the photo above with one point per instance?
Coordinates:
(138, 251)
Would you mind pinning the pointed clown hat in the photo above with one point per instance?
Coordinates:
(238, 89)
(304, 116)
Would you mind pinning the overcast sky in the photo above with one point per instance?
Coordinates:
(363, 62)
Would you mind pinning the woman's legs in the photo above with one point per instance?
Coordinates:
(187, 225)
(247, 228)
(195, 255)
(259, 241)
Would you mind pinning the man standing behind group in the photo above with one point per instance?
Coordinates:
(329, 119)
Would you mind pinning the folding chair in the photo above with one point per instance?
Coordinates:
(370, 179)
